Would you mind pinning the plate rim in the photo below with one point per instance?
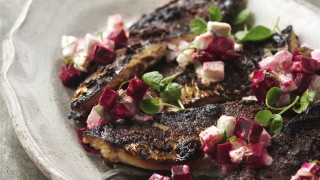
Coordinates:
(14, 108)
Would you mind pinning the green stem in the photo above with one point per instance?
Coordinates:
(180, 104)
(290, 106)
(276, 26)
(171, 105)
(170, 78)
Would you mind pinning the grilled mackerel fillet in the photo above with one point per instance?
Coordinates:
(172, 138)
(147, 46)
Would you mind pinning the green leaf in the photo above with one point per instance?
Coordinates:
(150, 106)
(276, 124)
(273, 96)
(232, 138)
(122, 84)
(241, 34)
(305, 100)
(171, 93)
(264, 117)
(315, 161)
(243, 17)
(67, 61)
(257, 33)
(224, 136)
(198, 26)
(215, 13)
(153, 79)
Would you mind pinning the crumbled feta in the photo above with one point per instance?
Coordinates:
(89, 42)
(219, 28)
(210, 137)
(227, 123)
(202, 41)
(68, 45)
(80, 61)
(114, 22)
(95, 119)
(212, 72)
(238, 154)
(281, 61)
(185, 58)
(238, 47)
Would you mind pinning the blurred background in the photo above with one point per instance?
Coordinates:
(14, 162)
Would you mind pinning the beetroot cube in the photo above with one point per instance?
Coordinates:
(315, 169)
(220, 45)
(181, 172)
(305, 178)
(70, 76)
(304, 64)
(119, 37)
(101, 54)
(108, 98)
(121, 111)
(156, 176)
(262, 83)
(223, 153)
(248, 129)
(136, 88)
(303, 81)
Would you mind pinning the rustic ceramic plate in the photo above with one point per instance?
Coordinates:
(39, 104)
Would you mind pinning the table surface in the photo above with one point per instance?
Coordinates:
(14, 162)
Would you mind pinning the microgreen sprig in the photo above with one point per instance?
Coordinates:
(199, 25)
(275, 121)
(169, 92)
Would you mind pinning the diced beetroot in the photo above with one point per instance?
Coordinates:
(304, 50)
(230, 55)
(223, 153)
(304, 65)
(136, 88)
(254, 158)
(181, 172)
(266, 159)
(101, 54)
(70, 76)
(248, 129)
(119, 37)
(143, 117)
(303, 81)
(220, 45)
(315, 168)
(262, 82)
(205, 57)
(121, 111)
(156, 176)
(265, 138)
(108, 98)
(305, 178)
(86, 147)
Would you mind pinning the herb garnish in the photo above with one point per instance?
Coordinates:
(169, 91)
(275, 121)
(243, 17)
(199, 25)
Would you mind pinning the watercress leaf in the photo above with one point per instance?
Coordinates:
(242, 17)
(276, 124)
(315, 161)
(150, 106)
(264, 117)
(273, 96)
(305, 100)
(215, 13)
(153, 79)
(240, 34)
(198, 26)
(67, 61)
(257, 33)
(171, 93)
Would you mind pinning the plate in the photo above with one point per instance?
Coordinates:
(39, 104)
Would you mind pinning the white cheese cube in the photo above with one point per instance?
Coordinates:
(219, 28)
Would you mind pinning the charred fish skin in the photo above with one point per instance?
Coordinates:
(139, 41)
(171, 138)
